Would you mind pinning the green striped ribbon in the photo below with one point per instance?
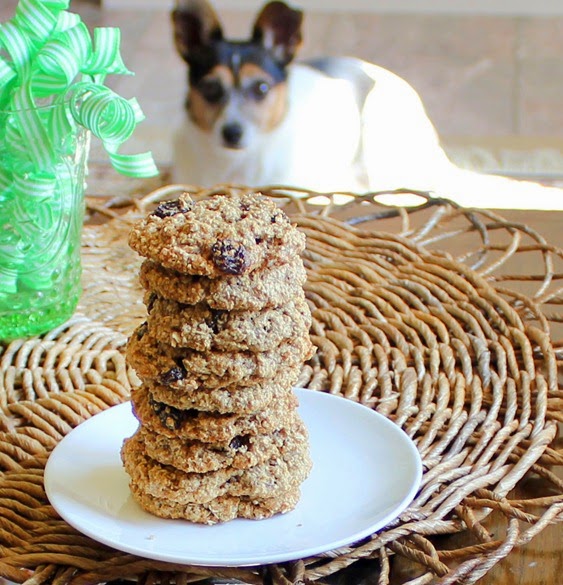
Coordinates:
(35, 17)
(58, 4)
(48, 49)
(36, 186)
(106, 58)
(18, 46)
(76, 35)
(51, 89)
(7, 73)
(32, 130)
(61, 124)
(107, 115)
(67, 20)
(43, 86)
(17, 147)
(58, 59)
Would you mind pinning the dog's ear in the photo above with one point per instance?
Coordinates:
(195, 25)
(278, 29)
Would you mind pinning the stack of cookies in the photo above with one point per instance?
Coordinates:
(226, 335)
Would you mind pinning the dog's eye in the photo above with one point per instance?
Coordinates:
(259, 90)
(212, 90)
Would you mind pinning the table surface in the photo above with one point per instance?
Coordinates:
(538, 563)
(541, 561)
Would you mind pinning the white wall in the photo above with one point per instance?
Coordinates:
(508, 7)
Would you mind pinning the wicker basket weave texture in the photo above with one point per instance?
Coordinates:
(403, 321)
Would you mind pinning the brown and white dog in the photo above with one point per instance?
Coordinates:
(255, 116)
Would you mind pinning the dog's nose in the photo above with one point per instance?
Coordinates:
(232, 134)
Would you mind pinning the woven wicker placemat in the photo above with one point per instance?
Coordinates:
(422, 314)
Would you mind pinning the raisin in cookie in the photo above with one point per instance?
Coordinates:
(156, 361)
(221, 509)
(211, 427)
(242, 452)
(225, 234)
(271, 286)
(265, 480)
(202, 328)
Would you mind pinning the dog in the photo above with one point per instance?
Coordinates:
(257, 116)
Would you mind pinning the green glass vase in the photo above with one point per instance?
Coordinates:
(41, 217)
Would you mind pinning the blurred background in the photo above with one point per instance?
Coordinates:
(490, 72)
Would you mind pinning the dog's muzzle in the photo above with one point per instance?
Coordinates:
(232, 135)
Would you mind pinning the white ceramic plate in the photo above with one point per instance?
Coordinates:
(366, 471)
